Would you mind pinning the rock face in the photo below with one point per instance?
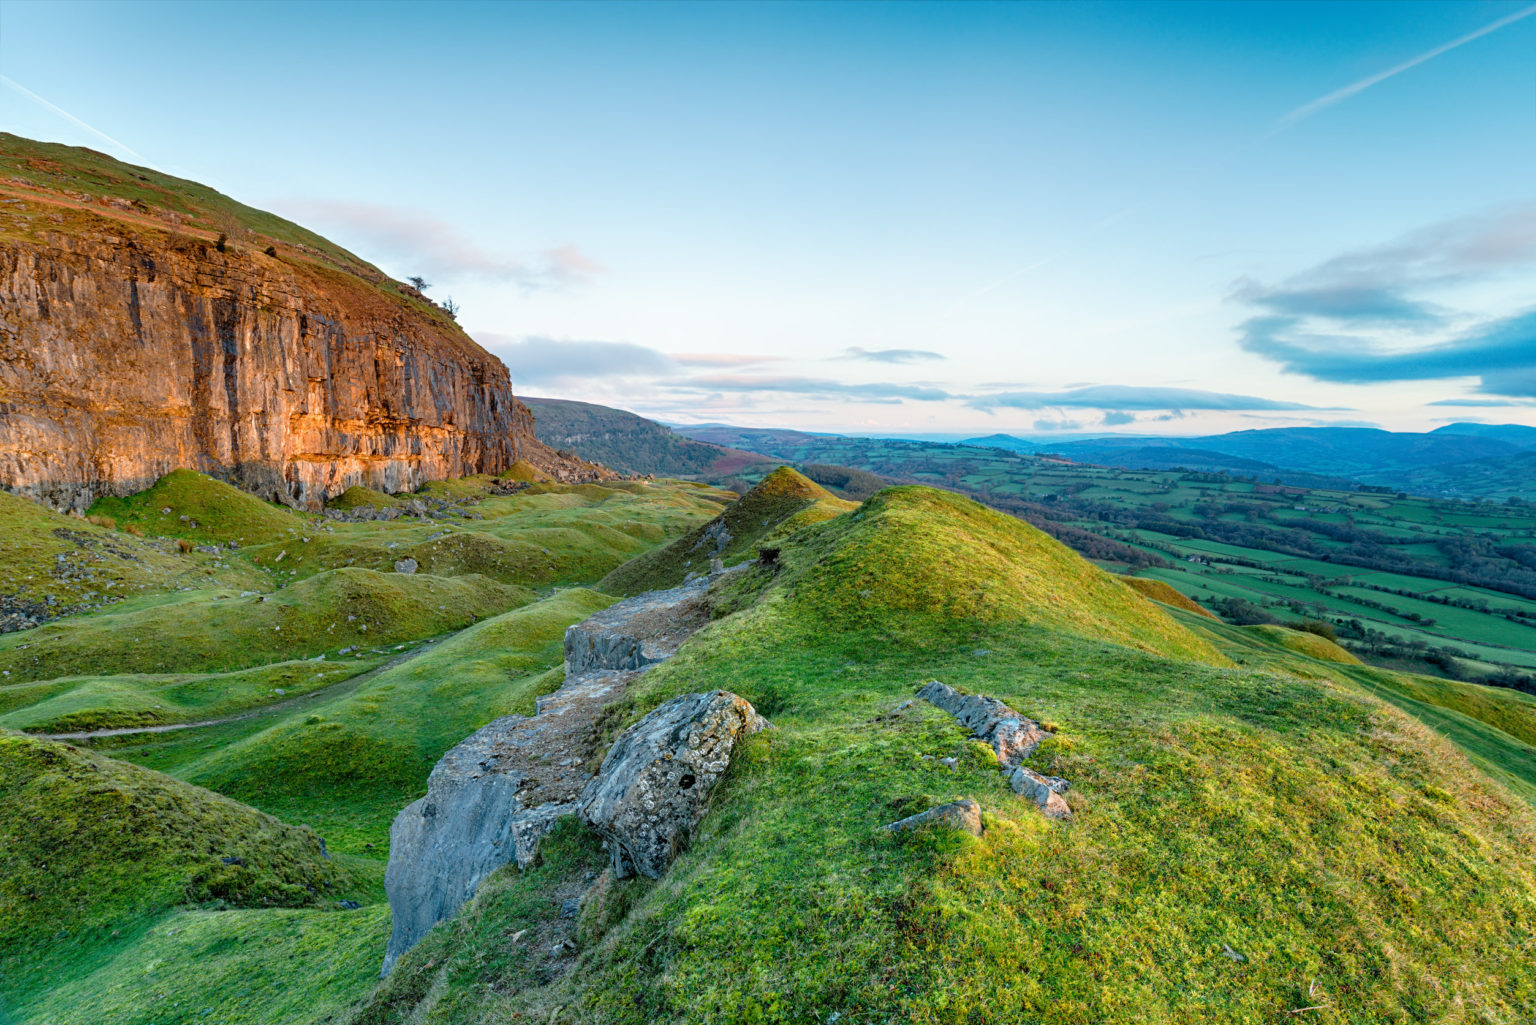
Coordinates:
(654, 785)
(131, 345)
(496, 794)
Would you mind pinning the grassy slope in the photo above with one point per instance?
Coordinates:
(782, 502)
(90, 846)
(1165, 593)
(347, 766)
(324, 613)
(1213, 808)
(77, 564)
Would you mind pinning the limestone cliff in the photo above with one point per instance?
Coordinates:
(133, 341)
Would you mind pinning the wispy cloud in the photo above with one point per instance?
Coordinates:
(66, 115)
(1322, 103)
(1483, 403)
(721, 359)
(1117, 418)
(435, 248)
(889, 355)
(1126, 397)
(816, 387)
(536, 360)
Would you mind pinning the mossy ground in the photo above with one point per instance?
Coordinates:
(90, 846)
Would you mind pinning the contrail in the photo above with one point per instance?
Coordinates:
(1321, 103)
(66, 115)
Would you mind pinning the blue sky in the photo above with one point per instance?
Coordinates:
(1158, 218)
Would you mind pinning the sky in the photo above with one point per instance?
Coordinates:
(954, 218)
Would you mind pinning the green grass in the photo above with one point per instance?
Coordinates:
(232, 967)
(63, 564)
(76, 703)
(1351, 855)
(781, 503)
(358, 497)
(193, 505)
(335, 609)
(89, 846)
(348, 766)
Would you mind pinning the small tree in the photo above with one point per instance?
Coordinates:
(451, 307)
(419, 283)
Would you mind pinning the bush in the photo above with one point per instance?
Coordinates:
(1315, 626)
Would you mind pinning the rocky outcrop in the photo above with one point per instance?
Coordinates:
(493, 797)
(655, 783)
(1013, 735)
(131, 346)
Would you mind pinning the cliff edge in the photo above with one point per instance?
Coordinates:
(149, 323)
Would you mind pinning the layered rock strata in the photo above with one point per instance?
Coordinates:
(130, 347)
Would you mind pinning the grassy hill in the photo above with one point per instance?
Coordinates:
(782, 502)
(1250, 839)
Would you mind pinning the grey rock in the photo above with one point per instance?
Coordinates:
(964, 814)
(655, 783)
(1043, 790)
(570, 907)
(636, 632)
(1013, 735)
(405, 565)
(468, 825)
(348, 905)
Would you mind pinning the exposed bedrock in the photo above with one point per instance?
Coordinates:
(1013, 735)
(496, 794)
(127, 351)
(654, 785)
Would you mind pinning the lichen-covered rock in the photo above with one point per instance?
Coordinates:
(1013, 735)
(406, 566)
(655, 783)
(964, 814)
(1045, 791)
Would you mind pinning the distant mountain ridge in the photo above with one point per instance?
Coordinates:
(630, 443)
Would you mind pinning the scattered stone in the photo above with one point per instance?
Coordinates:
(964, 814)
(570, 907)
(232, 859)
(1013, 735)
(1232, 954)
(405, 566)
(655, 783)
(349, 905)
(949, 763)
(1042, 790)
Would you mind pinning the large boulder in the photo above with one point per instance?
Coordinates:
(654, 785)
(964, 814)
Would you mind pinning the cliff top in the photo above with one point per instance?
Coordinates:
(47, 187)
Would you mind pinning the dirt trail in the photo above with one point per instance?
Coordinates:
(330, 690)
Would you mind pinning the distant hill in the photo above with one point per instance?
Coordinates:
(1515, 434)
(1003, 441)
(630, 443)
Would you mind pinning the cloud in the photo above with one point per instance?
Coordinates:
(889, 355)
(434, 247)
(1483, 403)
(1502, 353)
(1057, 425)
(1115, 418)
(817, 387)
(1125, 397)
(536, 360)
(1306, 110)
(720, 359)
(67, 116)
